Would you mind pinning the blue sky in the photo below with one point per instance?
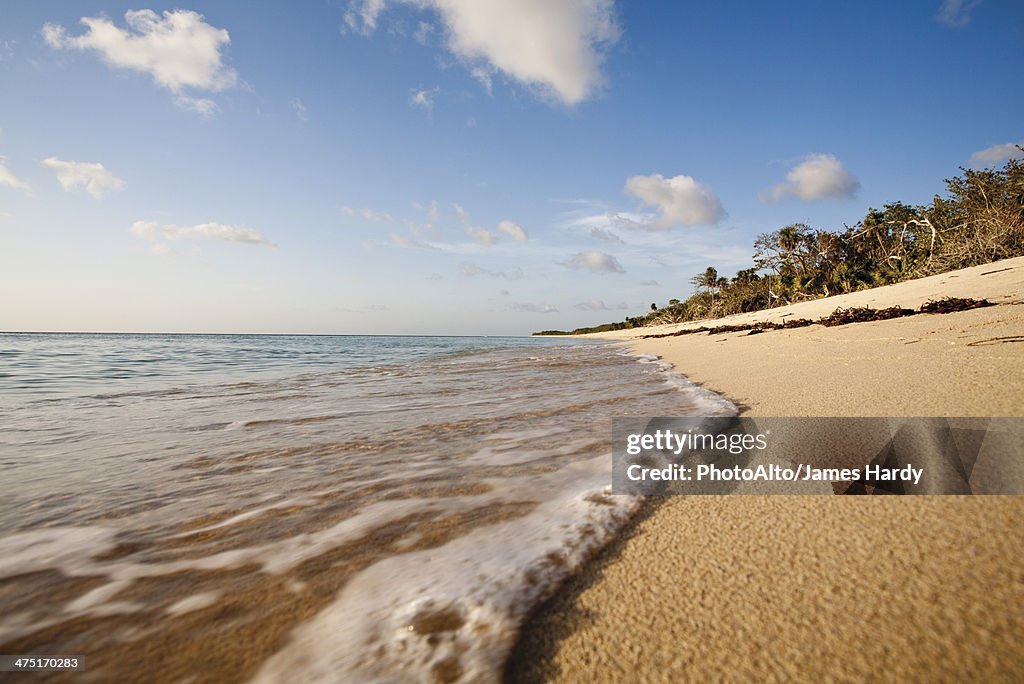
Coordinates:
(461, 166)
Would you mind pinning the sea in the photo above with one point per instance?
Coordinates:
(304, 508)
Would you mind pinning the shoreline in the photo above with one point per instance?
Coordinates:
(816, 587)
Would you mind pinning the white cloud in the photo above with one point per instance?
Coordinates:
(376, 216)
(161, 249)
(599, 226)
(533, 308)
(369, 214)
(997, 154)
(433, 211)
(151, 230)
(819, 176)
(299, 107)
(956, 12)
(423, 31)
(203, 106)
(423, 98)
(599, 305)
(362, 17)
(461, 212)
(484, 76)
(480, 236)
(514, 230)
(472, 270)
(8, 178)
(178, 49)
(605, 235)
(594, 261)
(92, 176)
(552, 46)
(411, 243)
(681, 200)
(485, 237)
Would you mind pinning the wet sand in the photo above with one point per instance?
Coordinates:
(810, 588)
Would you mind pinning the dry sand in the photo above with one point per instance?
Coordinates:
(811, 588)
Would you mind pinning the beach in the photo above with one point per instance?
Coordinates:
(805, 588)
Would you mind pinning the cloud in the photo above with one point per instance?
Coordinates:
(402, 241)
(362, 16)
(533, 308)
(161, 249)
(819, 176)
(594, 261)
(472, 270)
(7, 177)
(605, 235)
(179, 50)
(369, 214)
(299, 107)
(554, 47)
(432, 210)
(423, 98)
(651, 283)
(200, 105)
(376, 216)
(151, 230)
(92, 176)
(681, 200)
(461, 213)
(423, 31)
(997, 154)
(484, 76)
(514, 230)
(599, 226)
(599, 305)
(484, 237)
(481, 236)
(956, 13)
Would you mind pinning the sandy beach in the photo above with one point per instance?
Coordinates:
(805, 588)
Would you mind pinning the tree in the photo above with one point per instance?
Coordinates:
(708, 279)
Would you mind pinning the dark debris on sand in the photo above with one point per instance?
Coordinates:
(863, 314)
(952, 304)
(840, 316)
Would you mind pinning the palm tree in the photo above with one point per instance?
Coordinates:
(708, 279)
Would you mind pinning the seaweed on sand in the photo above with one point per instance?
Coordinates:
(952, 304)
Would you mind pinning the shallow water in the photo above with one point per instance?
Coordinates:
(332, 508)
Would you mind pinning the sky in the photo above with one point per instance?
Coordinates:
(462, 166)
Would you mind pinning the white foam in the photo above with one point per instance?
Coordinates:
(707, 402)
(62, 547)
(196, 602)
(480, 584)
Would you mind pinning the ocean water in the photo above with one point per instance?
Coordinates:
(272, 508)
